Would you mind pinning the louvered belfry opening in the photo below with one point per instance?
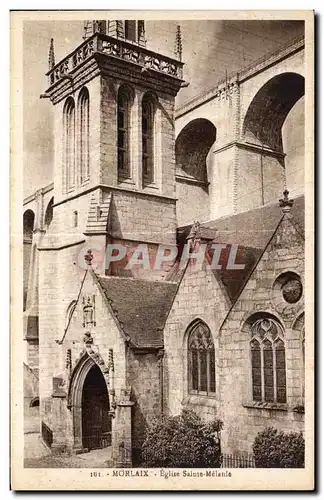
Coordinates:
(130, 30)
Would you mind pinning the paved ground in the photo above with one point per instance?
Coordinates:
(38, 456)
(34, 447)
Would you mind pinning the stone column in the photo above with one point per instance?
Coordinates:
(77, 429)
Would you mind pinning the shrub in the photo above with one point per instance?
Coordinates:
(182, 441)
(276, 449)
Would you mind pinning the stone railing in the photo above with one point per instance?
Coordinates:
(118, 48)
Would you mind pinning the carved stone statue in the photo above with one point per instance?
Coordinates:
(89, 311)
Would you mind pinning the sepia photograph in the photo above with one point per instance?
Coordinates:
(162, 298)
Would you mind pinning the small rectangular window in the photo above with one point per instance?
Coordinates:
(130, 31)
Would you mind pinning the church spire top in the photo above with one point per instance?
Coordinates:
(51, 55)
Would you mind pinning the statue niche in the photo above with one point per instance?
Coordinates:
(89, 311)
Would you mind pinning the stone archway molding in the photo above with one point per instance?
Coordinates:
(89, 357)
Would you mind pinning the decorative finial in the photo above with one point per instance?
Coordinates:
(285, 203)
(51, 55)
(178, 44)
(88, 257)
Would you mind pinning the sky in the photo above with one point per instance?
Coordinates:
(210, 50)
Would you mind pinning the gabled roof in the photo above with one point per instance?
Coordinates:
(254, 228)
(251, 231)
(234, 280)
(141, 307)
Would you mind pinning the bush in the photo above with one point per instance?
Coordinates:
(276, 449)
(182, 441)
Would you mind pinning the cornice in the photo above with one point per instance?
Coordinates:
(118, 59)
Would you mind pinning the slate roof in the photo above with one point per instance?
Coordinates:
(251, 231)
(255, 227)
(141, 307)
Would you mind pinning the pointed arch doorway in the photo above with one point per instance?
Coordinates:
(96, 422)
(89, 402)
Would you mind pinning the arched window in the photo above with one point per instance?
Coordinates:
(192, 147)
(49, 214)
(148, 113)
(299, 332)
(84, 135)
(69, 143)
(201, 360)
(34, 402)
(123, 133)
(28, 225)
(28, 228)
(268, 361)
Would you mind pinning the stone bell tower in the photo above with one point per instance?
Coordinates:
(114, 136)
(114, 175)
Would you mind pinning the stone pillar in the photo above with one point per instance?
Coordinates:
(77, 429)
(59, 416)
(122, 431)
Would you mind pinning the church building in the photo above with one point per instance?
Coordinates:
(111, 346)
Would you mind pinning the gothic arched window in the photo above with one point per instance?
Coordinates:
(49, 214)
(268, 361)
(84, 109)
(201, 360)
(69, 143)
(124, 103)
(148, 113)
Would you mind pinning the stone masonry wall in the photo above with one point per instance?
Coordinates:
(141, 217)
(143, 376)
(242, 421)
(59, 282)
(200, 295)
